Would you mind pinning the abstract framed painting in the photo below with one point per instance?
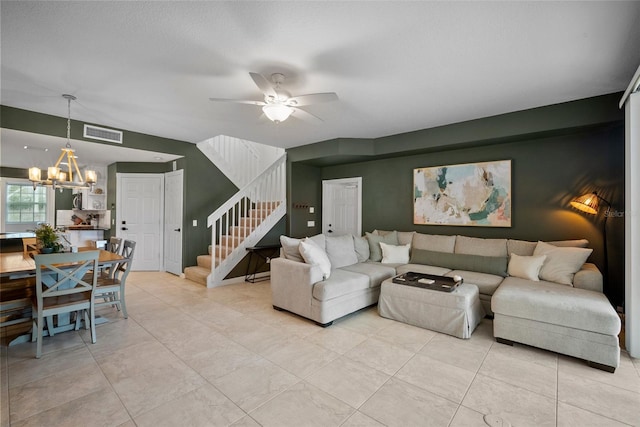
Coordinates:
(471, 194)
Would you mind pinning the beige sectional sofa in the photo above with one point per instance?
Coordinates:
(541, 294)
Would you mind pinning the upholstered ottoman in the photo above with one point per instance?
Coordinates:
(454, 313)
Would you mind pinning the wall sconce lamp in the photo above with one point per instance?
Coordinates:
(590, 203)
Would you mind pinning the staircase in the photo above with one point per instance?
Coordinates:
(240, 160)
(241, 223)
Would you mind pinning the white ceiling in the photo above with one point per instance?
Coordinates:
(24, 149)
(151, 67)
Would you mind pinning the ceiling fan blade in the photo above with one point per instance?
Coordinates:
(312, 98)
(263, 84)
(306, 116)
(238, 101)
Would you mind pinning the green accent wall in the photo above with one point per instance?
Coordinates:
(557, 153)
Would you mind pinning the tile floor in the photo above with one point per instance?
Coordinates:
(190, 356)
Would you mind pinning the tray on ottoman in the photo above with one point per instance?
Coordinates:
(428, 281)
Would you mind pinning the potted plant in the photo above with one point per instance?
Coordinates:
(47, 239)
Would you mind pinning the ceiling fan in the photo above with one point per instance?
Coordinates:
(278, 104)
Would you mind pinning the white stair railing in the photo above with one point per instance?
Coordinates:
(240, 160)
(245, 219)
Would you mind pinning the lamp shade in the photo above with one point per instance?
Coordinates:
(587, 203)
(90, 177)
(277, 112)
(34, 174)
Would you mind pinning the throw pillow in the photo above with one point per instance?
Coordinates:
(496, 265)
(562, 263)
(392, 254)
(526, 267)
(315, 255)
(341, 251)
(361, 245)
(375, 253)
(290, 246)
(404, 237)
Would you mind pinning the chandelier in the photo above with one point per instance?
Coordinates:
(56, 177)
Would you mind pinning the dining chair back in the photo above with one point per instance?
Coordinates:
(114, 245)
(111, 290)
(128, 248)
(63, 285)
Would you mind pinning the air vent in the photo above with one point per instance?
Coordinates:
(103, 134)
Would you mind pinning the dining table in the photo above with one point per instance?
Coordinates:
(17, 285)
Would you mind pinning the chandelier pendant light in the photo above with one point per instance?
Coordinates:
(58, 177)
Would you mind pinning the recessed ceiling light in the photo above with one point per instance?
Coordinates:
(26, 147)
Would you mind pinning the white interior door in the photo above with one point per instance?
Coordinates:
(139, 217)
(173, 222)
(342, 206)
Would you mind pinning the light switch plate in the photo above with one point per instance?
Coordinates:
(311, 223)
(195, 222)
(311, 209)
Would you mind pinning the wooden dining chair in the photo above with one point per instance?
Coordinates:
(63, 286)
(114, 246)
(110, 290)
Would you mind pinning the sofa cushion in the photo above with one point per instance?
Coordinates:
(420, 268)
(483, 264)
(526, 267)
(521, 247)
(484, 247)
(433, 242)
(392, 254)
(404, 237)
(377, 273)
(361, 246)
(375, 252)
(341, 250)
(555, 304)
(341, 282)
(486, 283)
(561, 263)
(526, 248)
(578, 243)
(315, 255)
(290, 246)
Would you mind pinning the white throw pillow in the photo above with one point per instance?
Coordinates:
(526, 267)
(290, 246)
(315, 255)
(561, 263)
(392, 254)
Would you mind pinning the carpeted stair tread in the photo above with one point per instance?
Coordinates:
(197, 274)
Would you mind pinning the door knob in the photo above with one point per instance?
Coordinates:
(177, 229)
(124, 228)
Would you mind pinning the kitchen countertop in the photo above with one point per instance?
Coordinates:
(84, 227)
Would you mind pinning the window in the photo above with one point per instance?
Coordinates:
(25, 205)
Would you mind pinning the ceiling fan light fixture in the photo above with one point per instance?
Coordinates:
(277, 112)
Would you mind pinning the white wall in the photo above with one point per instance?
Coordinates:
(632, 224)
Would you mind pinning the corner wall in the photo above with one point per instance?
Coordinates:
(548, 170)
